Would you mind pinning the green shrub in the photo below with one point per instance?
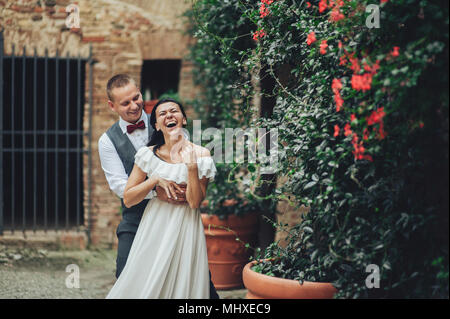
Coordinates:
(363, 129)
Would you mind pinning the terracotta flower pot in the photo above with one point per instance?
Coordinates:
(226, 256)
(261, 286)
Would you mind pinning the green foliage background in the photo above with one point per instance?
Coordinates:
(392, 212)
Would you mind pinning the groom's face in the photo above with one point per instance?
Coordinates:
(127, 102)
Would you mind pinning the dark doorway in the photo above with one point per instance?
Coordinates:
(159, 77)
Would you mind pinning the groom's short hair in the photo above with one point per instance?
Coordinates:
(118, 81)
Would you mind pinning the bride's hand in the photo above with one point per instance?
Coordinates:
(189, 156)
(171, 188)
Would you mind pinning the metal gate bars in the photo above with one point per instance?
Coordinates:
(42, 102)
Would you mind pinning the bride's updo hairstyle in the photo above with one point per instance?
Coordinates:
(157, 138)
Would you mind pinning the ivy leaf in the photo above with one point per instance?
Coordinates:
(310, 184)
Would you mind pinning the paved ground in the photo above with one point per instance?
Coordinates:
(29, 273)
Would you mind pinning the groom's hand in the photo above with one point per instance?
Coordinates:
(180, 190)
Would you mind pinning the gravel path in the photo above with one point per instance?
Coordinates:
(28, 273)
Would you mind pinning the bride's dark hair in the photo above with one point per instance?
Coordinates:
(157, 138)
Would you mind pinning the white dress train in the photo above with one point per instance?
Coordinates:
(168, 257)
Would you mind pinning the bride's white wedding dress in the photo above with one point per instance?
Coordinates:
(168, 258)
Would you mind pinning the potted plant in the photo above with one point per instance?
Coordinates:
(230, 220)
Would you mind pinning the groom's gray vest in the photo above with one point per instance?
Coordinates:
(130, 216)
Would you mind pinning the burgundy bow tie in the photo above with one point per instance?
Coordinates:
(139, 125)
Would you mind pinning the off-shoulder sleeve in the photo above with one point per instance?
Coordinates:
(142, 159)
(206, 168)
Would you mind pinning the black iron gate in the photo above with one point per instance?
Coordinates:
(42, 102)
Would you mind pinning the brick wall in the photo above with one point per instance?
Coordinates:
(122, 35)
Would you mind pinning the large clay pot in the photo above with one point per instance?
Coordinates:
(227, 256)
(261, 286)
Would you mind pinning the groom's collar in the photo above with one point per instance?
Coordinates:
(123, 124)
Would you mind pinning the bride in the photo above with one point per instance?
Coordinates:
(168, 258)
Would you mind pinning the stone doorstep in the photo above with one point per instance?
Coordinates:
(62, 239)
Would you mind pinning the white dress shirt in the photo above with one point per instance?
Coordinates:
(112, 165)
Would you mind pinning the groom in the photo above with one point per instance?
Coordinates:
(117, 147)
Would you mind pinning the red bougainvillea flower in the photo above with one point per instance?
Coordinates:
(268, 2)
(342, 60)
(361, 82)
(355, 67)
(336, 15)
(366, 134)
(336, 85)
(263, 11)
(376, 117)
(311, 38)
(359, 149)
(395, 52)
(258, 34)
(322, 5)
(339, 101)
(372, 69)
(383, 1)
(323, 47)
(336, 131)
(308, 4)
(347, 130)
(352, 117)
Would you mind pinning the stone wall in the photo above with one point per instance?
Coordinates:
(122, 34)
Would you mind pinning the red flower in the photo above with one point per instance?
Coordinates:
(258, 34)
(342, 60)
(352, 117)
(355, 139)
(308, 4)
(347, 130)
(336, 15)
(358, 152)
(336, 85)
(395, 52)
(263, 11)
(372, 69)
(362, 82)
(339, 102)
(311, 38)
(336, 130)
(322, 5)
(366, 134)
(355, 64)
(323, 47)
(376, 116)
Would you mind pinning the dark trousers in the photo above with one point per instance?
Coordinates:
(125, 241)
